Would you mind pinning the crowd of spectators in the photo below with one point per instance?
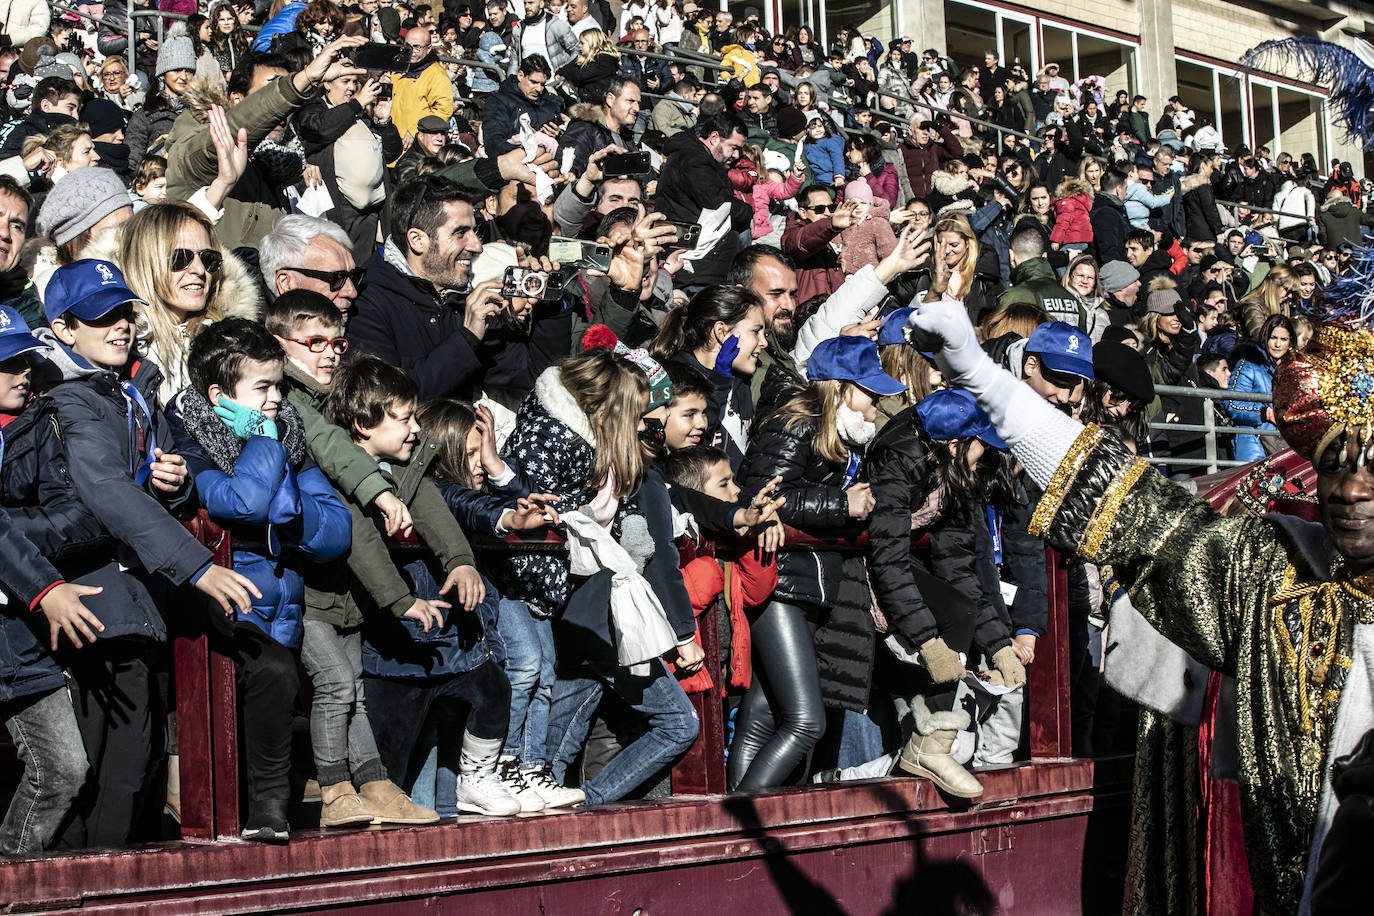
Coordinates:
(382, 289)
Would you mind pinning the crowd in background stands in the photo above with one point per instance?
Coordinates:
(374, 287)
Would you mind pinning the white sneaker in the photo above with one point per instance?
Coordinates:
(508, 771)
(554, 795)
(485, 793)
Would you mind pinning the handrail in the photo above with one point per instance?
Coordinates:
(1212, 462)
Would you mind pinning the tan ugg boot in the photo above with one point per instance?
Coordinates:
(342, 807)
(927, 753)
(389, 805)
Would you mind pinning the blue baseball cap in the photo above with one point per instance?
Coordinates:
(852, 359)
(893, 330)
(89, 289)
(14, 335)
(952, 413)
(1062, 348)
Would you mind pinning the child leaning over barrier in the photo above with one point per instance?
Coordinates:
(466, 466)
(246, 448)
(409, 668)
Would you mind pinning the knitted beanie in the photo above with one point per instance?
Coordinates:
(80, 200)
(176, 53)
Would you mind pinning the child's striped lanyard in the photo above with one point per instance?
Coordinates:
(137, 445)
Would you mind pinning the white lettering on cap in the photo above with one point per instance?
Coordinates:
(107, 276)
(1073, 344)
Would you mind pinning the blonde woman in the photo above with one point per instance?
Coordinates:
(577, 436)
(113, 83)
(1274, 296)
(1090, 170)
(1081, 279)
(172, 259)
(589, 75)
(957, 252)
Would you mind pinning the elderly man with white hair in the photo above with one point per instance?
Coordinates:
(303, 252)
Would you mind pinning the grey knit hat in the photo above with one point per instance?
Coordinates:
(80, 200)
(176, 53)
(49, 66)
(1116, 276)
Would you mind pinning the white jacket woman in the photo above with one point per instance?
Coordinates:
(23, 20)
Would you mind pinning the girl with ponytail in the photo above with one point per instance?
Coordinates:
(718, 334)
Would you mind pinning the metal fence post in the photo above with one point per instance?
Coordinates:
(1210, 437)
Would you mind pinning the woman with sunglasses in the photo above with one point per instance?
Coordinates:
(113, 83)
(172, 259)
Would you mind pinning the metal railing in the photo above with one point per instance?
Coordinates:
(1209, 427)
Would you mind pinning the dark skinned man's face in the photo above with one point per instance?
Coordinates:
(1345, 493)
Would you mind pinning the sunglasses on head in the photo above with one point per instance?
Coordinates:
(335, 278)
(210, 259)
(317, 344)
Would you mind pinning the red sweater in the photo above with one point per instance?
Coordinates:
(746, 583)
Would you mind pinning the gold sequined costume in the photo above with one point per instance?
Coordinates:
(1241, 596)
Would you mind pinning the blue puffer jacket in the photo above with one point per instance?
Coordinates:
(1252, 371)
(826, 158)
(280, 24)
(398, 648)
(281, 513)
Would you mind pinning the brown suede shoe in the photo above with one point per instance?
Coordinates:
(389, 805)
(342, 807)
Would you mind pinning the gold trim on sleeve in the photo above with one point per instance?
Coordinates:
(1107, 508)
(1063, 476)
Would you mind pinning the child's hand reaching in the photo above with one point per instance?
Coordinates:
(66, 614)
(168, 471)
(427, 612)
(471, 591)
(531, 512)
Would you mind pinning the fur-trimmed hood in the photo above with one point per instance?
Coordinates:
(201, 93)
(1072, 187)
(586, 111)
(559, 403)
(950, 184)
(1193, 182)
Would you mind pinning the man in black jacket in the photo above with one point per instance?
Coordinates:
(1108, 218)
(593, 129)
(522, 93)
(415, 309)
(694, 187)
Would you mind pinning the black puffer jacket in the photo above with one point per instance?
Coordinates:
(816, 504)
(902, 476)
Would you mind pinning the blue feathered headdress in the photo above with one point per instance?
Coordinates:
(1348, 74)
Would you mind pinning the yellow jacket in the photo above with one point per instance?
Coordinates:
(430, 93)
(738, 62)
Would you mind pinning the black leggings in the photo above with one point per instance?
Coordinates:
(782, 716)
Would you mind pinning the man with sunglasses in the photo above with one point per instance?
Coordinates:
(302, 252)
(809, 240)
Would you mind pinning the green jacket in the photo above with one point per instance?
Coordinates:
(253, 207)
(1034, 283)
(350, 469)
(341, 592)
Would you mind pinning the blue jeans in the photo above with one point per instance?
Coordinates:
(529, 667)
(658, 697)
(435, 784)
(54, 757)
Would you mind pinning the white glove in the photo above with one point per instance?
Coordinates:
(944, 328)
(1037, 434)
